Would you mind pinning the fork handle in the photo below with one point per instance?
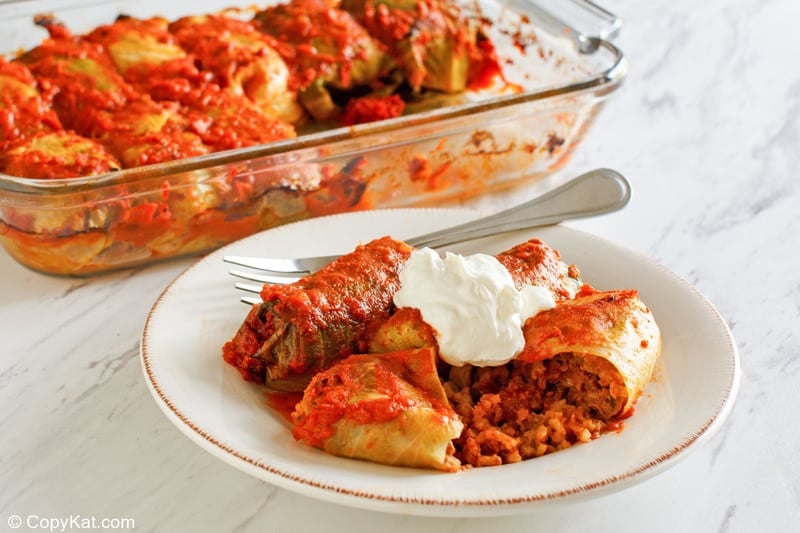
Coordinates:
(596, 192)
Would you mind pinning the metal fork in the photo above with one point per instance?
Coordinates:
(594, 193)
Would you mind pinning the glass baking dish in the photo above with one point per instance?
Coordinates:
(486, 142)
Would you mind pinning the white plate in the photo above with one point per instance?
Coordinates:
(693, 389)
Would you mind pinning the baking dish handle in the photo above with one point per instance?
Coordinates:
(582, 20)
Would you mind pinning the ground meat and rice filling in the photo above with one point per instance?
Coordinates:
(523, 410)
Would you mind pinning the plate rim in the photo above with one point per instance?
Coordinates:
(439, 506)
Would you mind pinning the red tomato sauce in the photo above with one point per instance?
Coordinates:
(575, 324)
(366, 390)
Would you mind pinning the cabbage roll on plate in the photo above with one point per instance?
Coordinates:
(303, 328)
(387, 408)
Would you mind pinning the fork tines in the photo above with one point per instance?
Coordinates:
(298, 265)
(263, 278)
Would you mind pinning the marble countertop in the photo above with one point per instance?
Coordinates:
(707, 127)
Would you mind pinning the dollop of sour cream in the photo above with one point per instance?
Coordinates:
(471, 303)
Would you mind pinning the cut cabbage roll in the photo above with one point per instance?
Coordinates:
(598, 327)
(242, 59)
(388, 409)
(326, 50)
(585, 365)
(306, 326)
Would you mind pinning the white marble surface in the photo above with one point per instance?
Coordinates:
(707, 127)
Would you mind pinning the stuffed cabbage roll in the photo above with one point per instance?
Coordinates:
(611, 326)
(144, 133)
(92, 99)
(388, 409)
(151, 60)
(326, 50)
(585, 364)
(23, 112)
(57, 155)
(82, 81)
(306, 326)
(32, 141)
(143, 52)
(241, 59)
